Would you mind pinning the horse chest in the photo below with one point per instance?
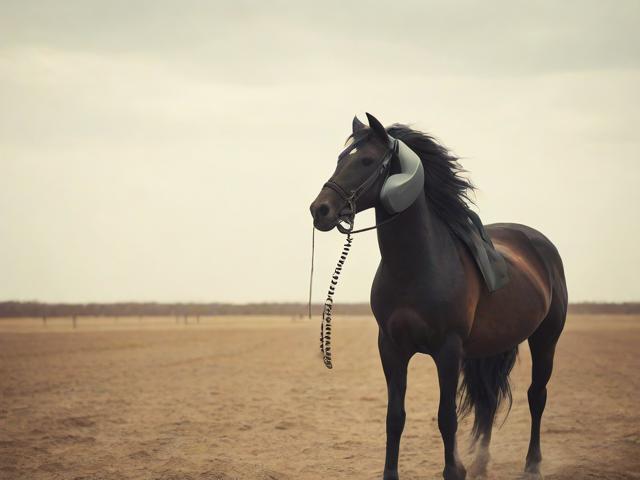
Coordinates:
(416, 307)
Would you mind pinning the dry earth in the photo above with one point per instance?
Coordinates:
(248, 398)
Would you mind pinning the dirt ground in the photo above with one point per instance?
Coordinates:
(249, 398)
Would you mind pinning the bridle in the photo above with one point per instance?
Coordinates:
(350, 197)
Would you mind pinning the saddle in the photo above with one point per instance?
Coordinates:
(491, 263)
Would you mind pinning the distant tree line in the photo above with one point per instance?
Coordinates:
(153, 309)
(627, 308)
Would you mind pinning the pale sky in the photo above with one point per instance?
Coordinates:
(169, 151)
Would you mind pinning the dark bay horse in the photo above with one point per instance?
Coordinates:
(428, 295)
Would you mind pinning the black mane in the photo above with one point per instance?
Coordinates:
(447, 191)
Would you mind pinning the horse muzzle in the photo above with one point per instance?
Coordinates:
(326, 215)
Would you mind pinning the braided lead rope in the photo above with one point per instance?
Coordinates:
(325, 326)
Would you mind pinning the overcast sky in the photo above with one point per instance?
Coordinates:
(169, 150)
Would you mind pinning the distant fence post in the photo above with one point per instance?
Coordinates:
(44, 321)
(74, 321)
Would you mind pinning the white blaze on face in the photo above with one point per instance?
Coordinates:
(348, 144)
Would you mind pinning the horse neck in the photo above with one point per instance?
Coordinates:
(416, 239)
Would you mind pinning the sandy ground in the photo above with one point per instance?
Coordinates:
(248, 398)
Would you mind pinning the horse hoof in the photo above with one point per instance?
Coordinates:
(532, 471)
(477, 473)
(478, 469)
(454, 472)
(390, 476)
(531, 476)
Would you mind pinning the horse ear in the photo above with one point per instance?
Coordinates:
(357, 124)
(377, 127)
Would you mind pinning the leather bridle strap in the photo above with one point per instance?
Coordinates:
(350, 198)
(373, 227)
(338, 189)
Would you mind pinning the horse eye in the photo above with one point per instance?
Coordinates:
(366, 161)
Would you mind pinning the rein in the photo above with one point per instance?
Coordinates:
(350, 199)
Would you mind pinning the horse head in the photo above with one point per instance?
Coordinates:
(374, 168)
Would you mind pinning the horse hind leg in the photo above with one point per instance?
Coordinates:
(542, 345)
(542, 358)
(484, 387)
(479, 467)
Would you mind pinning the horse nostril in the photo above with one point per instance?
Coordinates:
(323, 210)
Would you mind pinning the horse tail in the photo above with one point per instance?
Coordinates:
(484, 387)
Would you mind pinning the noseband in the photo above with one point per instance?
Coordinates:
(351, 197)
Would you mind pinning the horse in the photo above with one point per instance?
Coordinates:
(428, 295)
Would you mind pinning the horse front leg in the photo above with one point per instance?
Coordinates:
(448, 360)
(394, 364)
